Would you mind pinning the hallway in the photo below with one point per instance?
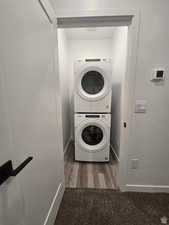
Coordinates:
(90, 175)
(97, 73)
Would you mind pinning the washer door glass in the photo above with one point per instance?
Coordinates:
(92, 135)
(92, 82)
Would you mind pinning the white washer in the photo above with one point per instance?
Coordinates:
(93, 83)
(92, 137)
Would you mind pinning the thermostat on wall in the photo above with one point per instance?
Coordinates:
(158, 75)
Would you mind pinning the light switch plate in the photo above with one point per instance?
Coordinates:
(134, 164)
(141, 106)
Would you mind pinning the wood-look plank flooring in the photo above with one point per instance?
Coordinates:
(90, 174)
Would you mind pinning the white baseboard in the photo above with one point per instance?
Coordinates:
(114, 152)
(67, 145)
(145, 188)
(51, 216)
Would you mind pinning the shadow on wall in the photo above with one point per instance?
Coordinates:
(116, 117)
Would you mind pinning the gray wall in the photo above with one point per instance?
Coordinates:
(65, 81)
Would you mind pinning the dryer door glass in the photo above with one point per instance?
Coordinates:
(92, 135)
(92, 82)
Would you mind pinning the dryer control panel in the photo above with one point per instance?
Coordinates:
(80, 117)
(92, 116)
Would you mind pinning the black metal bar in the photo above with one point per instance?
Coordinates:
(20, 167)
(6, 170)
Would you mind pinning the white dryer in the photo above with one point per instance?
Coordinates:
(93, 83)
(92, 137)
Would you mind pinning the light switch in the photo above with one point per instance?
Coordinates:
(141, 106)
(134, 164)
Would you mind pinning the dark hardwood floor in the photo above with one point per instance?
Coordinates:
(90, 175)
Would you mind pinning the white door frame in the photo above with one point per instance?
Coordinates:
(128, 93)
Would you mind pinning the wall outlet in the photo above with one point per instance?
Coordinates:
(134, 164)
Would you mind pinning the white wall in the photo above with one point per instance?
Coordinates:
(31, 91)
(65, 80)
(119, 53)
(150, 134)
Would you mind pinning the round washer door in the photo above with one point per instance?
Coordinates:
(92, 136)
(93, 83)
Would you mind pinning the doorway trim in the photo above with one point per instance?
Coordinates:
(110, 17)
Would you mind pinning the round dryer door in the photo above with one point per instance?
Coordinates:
(93, 83)
(92, 136)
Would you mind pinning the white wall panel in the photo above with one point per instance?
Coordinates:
(27, 48)
(119, 54)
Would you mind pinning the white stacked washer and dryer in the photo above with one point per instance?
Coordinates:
(92, 109)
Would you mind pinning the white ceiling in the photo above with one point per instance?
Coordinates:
(90, 33)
